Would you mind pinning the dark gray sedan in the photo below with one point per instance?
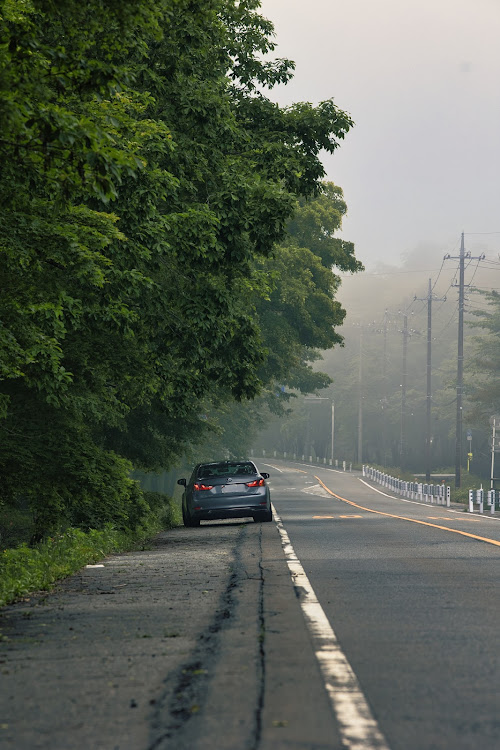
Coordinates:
(227, 489)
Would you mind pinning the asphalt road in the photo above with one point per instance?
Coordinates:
(414, 603)
(359, 621)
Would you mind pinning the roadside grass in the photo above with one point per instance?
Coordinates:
(24, 569)
(467, 482)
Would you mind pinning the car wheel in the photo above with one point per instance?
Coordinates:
(189, 520)
(266, 515)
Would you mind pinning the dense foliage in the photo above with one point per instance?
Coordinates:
(145, 180)
(25, 569)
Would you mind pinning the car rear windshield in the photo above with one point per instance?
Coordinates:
(242, 468)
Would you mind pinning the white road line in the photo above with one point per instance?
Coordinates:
(325, 468)
(316, 489)
(276, 468)
(357, 726)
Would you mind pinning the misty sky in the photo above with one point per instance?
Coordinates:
(421, 79)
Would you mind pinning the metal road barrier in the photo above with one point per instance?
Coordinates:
(478, 496)
(437, 494)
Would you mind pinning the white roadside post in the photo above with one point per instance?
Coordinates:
(480, 499)
(491, 501)
(471, 501)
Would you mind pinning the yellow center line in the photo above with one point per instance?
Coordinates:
(411, 520)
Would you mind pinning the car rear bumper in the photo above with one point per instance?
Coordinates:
(212, 514)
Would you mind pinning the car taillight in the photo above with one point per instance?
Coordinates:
(256, 483)
(203, 486)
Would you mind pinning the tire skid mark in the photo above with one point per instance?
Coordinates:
(171, 716)
(261, 676)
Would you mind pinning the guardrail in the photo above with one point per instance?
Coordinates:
(478, 496)
(437, 494)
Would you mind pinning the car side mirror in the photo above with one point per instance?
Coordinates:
(181, 481)
(264, 474)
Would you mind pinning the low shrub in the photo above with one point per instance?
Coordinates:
(24, 569)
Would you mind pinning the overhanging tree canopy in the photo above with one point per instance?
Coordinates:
(145, 179)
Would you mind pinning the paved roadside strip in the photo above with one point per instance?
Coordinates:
(198, 642)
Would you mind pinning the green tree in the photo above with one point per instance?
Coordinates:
(301, 314)
(298, 315)
(118, 325)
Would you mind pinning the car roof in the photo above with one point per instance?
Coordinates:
(224, 464)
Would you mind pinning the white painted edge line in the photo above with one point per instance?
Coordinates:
(324, 467)
(357, 726)
(426, 505)
(276, 468)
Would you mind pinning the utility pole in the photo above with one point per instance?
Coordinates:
(460, 366)
(428, 434)
(384, 395)
(360, 398)
(460, 357)
(402, 440)
(332, 436)
(428, 422)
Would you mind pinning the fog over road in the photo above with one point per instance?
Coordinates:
(204, 641)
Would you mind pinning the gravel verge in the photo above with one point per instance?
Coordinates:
(197, 642)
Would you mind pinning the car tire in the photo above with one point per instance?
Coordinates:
(266, 515)
(188, 521)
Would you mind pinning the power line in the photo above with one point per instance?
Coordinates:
(439, 274)
(475, 271)
(388, 273)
